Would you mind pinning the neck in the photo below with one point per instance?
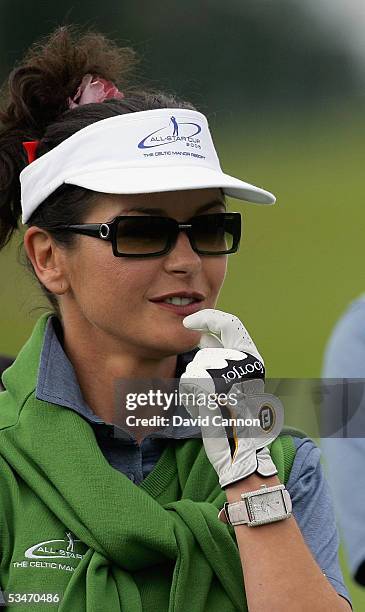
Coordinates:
(103, 367)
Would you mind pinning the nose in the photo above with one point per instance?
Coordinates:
(182, 259)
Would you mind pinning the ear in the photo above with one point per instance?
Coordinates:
(47, 259)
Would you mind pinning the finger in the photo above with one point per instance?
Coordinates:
(209, 341)
(227, 327)
(203, 320)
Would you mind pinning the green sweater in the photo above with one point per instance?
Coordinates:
(71, 524)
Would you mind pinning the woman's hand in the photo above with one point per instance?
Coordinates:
(229, 364)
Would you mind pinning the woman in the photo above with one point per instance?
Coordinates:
(128, 235)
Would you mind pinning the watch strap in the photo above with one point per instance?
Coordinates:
(236, 513)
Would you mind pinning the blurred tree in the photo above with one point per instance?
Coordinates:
(233, 55)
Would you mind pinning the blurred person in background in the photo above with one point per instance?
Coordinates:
(344, 446)
(128, 235)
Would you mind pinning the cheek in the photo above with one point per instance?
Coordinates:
(98, 278)
(215, 269)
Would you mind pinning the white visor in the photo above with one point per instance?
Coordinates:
(168, 149)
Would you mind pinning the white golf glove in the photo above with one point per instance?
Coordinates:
(230, 364)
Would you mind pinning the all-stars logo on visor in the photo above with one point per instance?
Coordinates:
(174, 132)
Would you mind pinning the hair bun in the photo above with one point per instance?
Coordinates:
(36, 98)
(36, 94)
(52, 70)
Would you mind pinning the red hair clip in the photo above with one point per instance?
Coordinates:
(31, 149)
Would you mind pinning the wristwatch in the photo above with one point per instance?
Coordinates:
(265, 505)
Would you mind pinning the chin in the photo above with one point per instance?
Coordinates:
(174, 346)
(185, 340)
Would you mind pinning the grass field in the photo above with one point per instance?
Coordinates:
(300, 262)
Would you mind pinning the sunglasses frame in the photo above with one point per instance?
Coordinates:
(108, 232)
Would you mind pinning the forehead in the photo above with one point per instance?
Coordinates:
(171, 203)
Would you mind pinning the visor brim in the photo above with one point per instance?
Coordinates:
(158, 179)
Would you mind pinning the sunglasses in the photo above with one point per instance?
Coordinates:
(151, 236)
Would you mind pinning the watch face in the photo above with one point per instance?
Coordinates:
(267, 506)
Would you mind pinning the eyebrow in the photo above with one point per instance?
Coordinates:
(161, 211)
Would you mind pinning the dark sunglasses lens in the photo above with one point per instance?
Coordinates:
(142, 235)
(213, 233)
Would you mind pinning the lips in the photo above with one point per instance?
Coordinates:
(195, 295)
(181, 310)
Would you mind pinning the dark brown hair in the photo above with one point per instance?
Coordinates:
(34, 107)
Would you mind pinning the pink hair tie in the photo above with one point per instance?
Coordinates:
(94, 89)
